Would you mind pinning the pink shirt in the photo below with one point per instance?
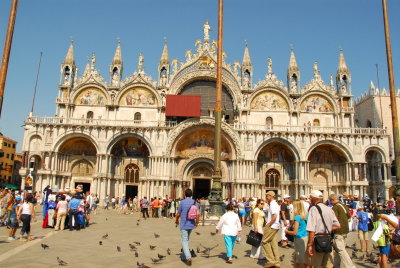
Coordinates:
(62, 206)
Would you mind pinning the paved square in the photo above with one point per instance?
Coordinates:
(82, 249)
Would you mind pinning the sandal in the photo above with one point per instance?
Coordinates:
(229, 261)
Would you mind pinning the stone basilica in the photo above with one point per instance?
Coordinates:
(118, 137)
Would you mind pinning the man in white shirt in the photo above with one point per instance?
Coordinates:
(269, 240)
(89, 206)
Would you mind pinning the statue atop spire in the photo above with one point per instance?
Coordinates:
(93, 62)
(206, 30)
(140, 63)
(316, 71)
(269, 65)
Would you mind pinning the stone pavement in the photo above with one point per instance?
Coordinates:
(82, 249)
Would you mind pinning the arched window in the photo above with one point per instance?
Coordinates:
(163, 72)
(369, 124)
(132, 173)
(137, 116)
(89, 115)
(272, 178)
(269, 122)
(316, 123)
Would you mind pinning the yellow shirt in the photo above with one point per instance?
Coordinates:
(261, 217)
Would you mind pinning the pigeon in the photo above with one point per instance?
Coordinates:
(374, 246)
(156, 235)
(198, 249)
(168, 251)
(155, 260)
(61, 262)
(281, 258)
(106, 219)
(160, 256)
(118, 248)
(137, 243)
(193, 253)
(362, 257)
(44, 246)
(136, 254)
(100, 243)
(354, 254)
(211, 233)
(197, 233)
(372, 259)
(105, 236)
(207, 250)
(133, 248)
(138, 220)
(141, 265)
(369, 254)
(152, 247)
(137, 224)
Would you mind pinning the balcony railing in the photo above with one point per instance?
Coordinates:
(312, 129)
(97, 122)
(348, 109)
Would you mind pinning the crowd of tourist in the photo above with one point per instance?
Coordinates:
(316, 229)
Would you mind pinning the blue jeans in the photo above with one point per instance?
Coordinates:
(185, 235)
(229, 244)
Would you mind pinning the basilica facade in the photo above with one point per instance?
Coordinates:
(115, 137)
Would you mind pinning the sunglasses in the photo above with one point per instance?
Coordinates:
(262, 203)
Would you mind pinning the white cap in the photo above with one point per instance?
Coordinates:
(303, 196)
(286, 196)
(316, 194)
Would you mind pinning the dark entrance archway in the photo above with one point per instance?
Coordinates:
(201, 187)
(131, 191)
(85, 186)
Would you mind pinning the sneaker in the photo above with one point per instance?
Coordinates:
(11, 238)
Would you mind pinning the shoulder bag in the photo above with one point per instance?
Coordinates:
(254, 239)
(323, 242)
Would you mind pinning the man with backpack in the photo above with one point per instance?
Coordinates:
(188, 211)
(342, 213)
(321, 222)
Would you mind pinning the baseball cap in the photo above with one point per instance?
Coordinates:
(316, 194)
(303, 196)
(271, 193)
(286, 196)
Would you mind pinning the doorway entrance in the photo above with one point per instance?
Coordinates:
(201, 187)
(85, 186)
(131, 191)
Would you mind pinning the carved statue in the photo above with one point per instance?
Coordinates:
(175, 65)
(114, 80)
(188, 54)
(206, 29)
(163, 79)
(140, 63)
(315, 69)
(236, 65)
(245, 97)
(331, 81)
(293, 85)
(246, 81)
(112, 98)
(66, 79)
(93, 61)
(295, 104)
(269, 65)
(163, 98)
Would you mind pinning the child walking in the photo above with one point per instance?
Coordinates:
(383, 241)
(230, 227)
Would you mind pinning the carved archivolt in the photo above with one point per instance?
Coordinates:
(184, 166)
(190, 123)
(196, 75)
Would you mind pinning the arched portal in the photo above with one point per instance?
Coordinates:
(375, 175)
(277, 162)
(201, 176)
(129, 159)
(80, 153)
(327, 166)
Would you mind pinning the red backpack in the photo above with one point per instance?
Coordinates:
(192, 212)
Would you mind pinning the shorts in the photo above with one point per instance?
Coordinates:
(14, 223)
(384, 249)
(88, 210)
(300, 255)
(362, 235)
(242, 213)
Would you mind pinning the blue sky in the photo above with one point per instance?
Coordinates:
(316, 28)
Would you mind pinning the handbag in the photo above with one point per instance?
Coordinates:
(323, 242)
(288, 236)
(254, 239)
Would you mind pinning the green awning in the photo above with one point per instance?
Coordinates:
(10, 186)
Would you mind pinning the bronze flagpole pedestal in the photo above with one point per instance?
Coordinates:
(216, 189)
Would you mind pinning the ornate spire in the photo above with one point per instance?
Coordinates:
(164, 56)
(342, 67)
(371, 85)
(292, 62)
(246, 56)
(69, 58)
(87, 68)
(117, 56)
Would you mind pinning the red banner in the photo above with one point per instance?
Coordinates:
(183, 105)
